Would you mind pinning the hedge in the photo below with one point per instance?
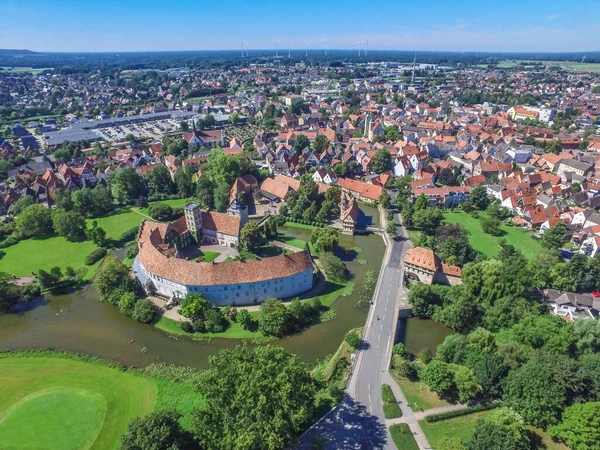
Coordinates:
(129, 235)
(95, 256)
(461, 412)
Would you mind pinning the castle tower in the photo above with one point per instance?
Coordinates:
(240, 210)
(367, 125)
(193, 218)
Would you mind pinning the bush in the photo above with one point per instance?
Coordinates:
(129, 235)
(461, 412)
(10, 240)
(353, 339)
(144, 311)
(160, 211)
(400, 350)
(425, 356)
(95, 256)
(187, 327)
(132, 251)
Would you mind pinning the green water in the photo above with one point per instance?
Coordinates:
(81, 323)
(418, 334)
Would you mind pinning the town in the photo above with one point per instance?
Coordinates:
(250, 200)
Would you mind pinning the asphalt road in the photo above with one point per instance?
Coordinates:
(358, 422)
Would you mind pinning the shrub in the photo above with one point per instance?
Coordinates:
(425, 356)
(132, 251)
(129, 235)
(187, 327)
(461, 412)
(353, 339)
(95, 256)
(400, 350)
(10, 240)
(144, 311)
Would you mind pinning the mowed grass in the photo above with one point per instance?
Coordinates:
(116, 224)
(62, 404)
(419, 396)
(233, 331)
(31, 255)
(463, 427)
(402, 437)
(490, 245)
(210, 256)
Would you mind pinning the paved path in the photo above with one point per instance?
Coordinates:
(358, 422)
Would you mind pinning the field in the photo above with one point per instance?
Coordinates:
(567, 65)
(402, 437)
(31, 70)
(31, 255)
(54, 403)
(490, 245)
(233, 331)
(463, 426)
(116, 224)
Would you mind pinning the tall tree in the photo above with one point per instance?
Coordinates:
(259, 397)
(126, 186)
(250, 237)
(382, 161)
(555, 236)
(480, 198)
(35, 221)
(160, 430)
(183, 181)
(159, 180)
(273, 318)
(580, 427)
(501, 429)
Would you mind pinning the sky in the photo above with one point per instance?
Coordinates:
(436, 25)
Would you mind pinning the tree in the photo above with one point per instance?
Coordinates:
(555, 236)
(353, 339)
(452, 350)
(461, 311)
(126, 186)
(437, 376)
(301, 143)
(480, 198)
(333, 266)
(144, 311)
(250, 237)
(204, 192)
(501, 429)
(466, 383)
(421, 203)
(92, 202)
(580, 426)
(427, 220)
(321, 143)
(221, 196)
(244, 318)
(259, 397)
(49, 280)
(324, 239)
(159, 180)
(21, 204)
(407, 214)
(35, 221)
(193, 306)
(273, 318)
(423, 300)
(160, 430)
(112, 280)
(69, 224)
(587, 333)
(184, 126)
(127, 303)
(491, 370)
(96, 234)
(391, 228)
(381, 161)
(183, 181)
(452, 244)
(491, 226)
(531, 392)
(384, 198)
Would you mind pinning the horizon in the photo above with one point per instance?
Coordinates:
(71, 26)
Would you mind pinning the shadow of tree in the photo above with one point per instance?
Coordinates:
(349, 426)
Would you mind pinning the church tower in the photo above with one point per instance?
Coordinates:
(240, 210)
(367, 130)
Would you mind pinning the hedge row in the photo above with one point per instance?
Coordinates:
(461, 412)
(95, 256)
(305, 222)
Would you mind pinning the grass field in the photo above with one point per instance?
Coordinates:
(233, 331)
(210, 256)
(54, 403)
(286, 238)
(8, 69)
(463, 426)
(116, 224)
(402, 437)
(567, 65)
(418, 393)
(299, 225)
(31, 255)
(391, 409)
(490, 245)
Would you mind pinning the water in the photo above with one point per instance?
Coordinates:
(418, 334)
(79, 322)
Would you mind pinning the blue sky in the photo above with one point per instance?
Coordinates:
(134, 25)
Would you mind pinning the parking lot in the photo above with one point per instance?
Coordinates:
(155, 129)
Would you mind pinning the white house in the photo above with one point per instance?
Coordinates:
(324, 176)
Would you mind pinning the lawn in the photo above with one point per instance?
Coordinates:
(31, 255)
(234, 331)
(286, 238)
(116, 224)
(402, 437)
(419, 393)
(54, 403)
(391, 409)
(299, 225)
(210, 256)
(463, 426)
(490, 245)
(31, 70)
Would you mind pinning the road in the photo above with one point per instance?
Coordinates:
(358, 422)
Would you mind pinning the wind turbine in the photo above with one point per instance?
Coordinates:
(242, 48)
(326, 48)
(307, 50)
(583, 59)
(277, 49)
(367, 47)
(246, 50)
(359, 44)
(289, 50)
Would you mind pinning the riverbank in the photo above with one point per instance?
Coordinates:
(77, 401)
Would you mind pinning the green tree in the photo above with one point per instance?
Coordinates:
(159, 180)
(204, 192)
(250, 237)
(126, 186)
(421, 203)
(438, 377)
(333, 266)
(384, 199)
(244, 318)
(480, 198)
(112, 280)
(273, 318)
(466, 383)
(160, 430)
(555, 236)
(183, 181)
(21, 204)
(69, 224)
(491, 226)
(321, 143)
(35, 221)
(160, 211)
(301, 143)
(324, 239)
(580, 427)
(353, 338)
(127, 303)
(452, 244)
(423, 300)
(427, 220)
(144, 311)
(193, 306)
(381, 161)
(96, 234)
(501, 429)
(259, 397)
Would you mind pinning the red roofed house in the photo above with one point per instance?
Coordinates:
(423, 265)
